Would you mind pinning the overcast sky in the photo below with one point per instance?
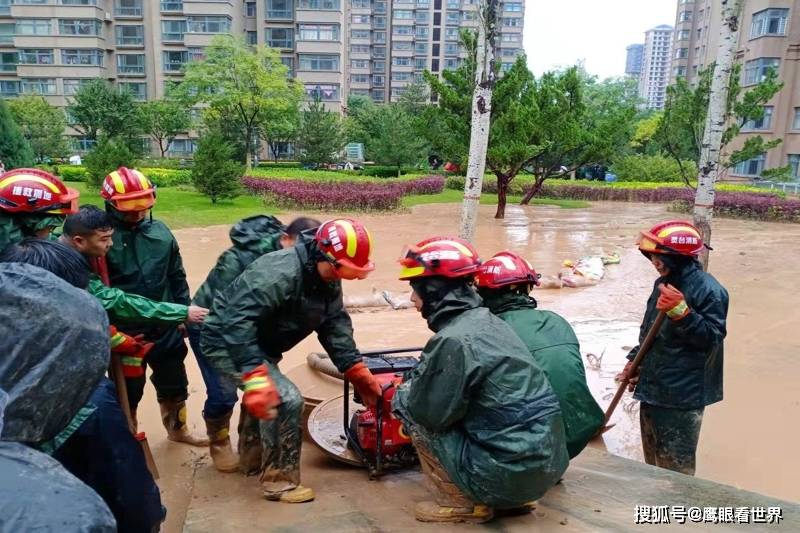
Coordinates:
(562, 32)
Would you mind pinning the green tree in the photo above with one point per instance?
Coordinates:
(394, 140)
(643, 137)
(246, 85)
(215, 173)
(282, 129)
(680, 133)
(108, 155)
(359, 119)
(41, 124)
(98, 109)
(415, 98)
(15, 152)
(163, 120)
(320, 138)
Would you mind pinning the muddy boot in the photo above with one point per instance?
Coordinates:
(433, 512)
(219, 446)
(284, 487)
(173, 415)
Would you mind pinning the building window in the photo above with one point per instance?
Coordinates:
(452, 17)
(250, 9)
(127, 8)
(83, 144)
(512, 7)
(196, 53)
(359, 4)
(379, 6)
(130, 35)
(763, 123)
(401, 61)
(796, 121)
(137, 90)
(7, 33)
(130, 64)
(402, 76)
(359, 49)
(680, 70)
(402, 46)
(453, 4)
(402, 30)
(318, 62)
(8, 61)
(379, 22)
(509, 52)
(755, 71)
(751, 167)
(79, 27)
(379, 52)
(451, 33)
(769, 22)
(288, 62)
(512, 22)
(359, 92)
(451, 49)
(685, 16)
(422, 32)
(322, 5)
(379, 37)
(359, 63)
(505, 67)
(359, 34)
(468, 15)
(73, 85)
(360, 19)
(319, 32)
(280, 9)
(420, 48)
(421, 17)
(81, 56)
(36, 56)
(173, 30)
(326, 93)
(9, 88)
(33, 27)
(378, 95)
(280, 37)
(174, 61)
(378, 80)
(45, 86)
(511, 37)
(403, 14)
(171, 6)
(182, 147)
(208, 24)
(30, 2)
(359, 78)
(681, 53)
(378, 66)
(794, 162)
(420, 63)
(683, 35)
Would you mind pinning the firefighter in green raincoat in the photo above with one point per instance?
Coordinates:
(278, 301)
(504, 282)
(485, 421)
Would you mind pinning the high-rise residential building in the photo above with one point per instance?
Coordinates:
(769, 38)
(655, 74)
(634, 60)
(336, 48)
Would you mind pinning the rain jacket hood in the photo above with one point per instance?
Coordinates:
(482, 405)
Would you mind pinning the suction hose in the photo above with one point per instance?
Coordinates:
(323, 364)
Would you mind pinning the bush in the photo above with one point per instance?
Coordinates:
(163, 162)
(272, 164)
(166, 177)
(71, 172)
(651, 168)
(321, 175)
(748, 205)
(382, 172)
(426, 185)
(215, 173)
(107, 156)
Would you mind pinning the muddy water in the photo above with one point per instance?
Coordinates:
(748, 440)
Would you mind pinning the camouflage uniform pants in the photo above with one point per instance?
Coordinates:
(670, 436)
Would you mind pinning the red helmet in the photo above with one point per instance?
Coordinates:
(439, 256)
(674, 237)
(127, 189)
(506, 268)
(30, 190)
(346, 243)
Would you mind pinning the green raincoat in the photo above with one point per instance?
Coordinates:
(277, 302)
(251, 238)
(484, 408)
(553, 344)
(14, 228)
(126, 306)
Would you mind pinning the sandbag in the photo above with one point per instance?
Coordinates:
(38, 494)
(54, 348)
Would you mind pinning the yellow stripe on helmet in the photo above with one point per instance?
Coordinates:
(411, 272)
(507, 262)
(460, 247)
(29, 177)
(669, 231)
(350, 232)
(143, 180)
(116, 179)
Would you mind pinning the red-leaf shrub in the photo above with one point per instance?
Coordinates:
(749, 205)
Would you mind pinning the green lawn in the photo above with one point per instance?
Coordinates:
(450, 196)
(183, 208)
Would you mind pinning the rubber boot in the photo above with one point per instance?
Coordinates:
(173, 415)
(219, 446)
(433, 512)
(284, 487)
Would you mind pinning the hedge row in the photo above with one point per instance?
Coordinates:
(748, 205)
(161, 177)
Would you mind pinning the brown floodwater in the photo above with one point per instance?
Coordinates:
(748, 440)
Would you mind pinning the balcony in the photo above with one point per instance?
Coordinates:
(128, 9)
(171, 7)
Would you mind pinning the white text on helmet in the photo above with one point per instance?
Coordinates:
(451, 255)
(28, 192)
(333, 235)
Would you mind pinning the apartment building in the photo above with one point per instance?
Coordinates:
(769, 38)
(634, 58)
(336, 48)
(655, 75)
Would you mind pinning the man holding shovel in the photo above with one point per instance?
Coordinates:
(682, 371)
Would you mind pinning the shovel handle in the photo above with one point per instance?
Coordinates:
(643, 349)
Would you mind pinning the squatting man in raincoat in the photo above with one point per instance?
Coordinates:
(278, 301)
(682, 372)
(482, 416)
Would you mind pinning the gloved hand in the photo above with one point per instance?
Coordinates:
(633, 379)
(131, 350)
(364, 382)
(672, 302)
(261, 398)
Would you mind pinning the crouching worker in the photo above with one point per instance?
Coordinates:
(278, 301)
(483, 418)
(504, 282)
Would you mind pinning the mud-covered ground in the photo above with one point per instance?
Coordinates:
(748, 440)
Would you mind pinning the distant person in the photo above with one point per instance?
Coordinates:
(682, 372)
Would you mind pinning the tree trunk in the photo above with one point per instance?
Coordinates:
(502, 193)
(533, 191)
(481, 114)
(162, 149)
(716, 118)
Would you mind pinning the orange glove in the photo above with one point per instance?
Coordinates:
(364, 382)
(672, 302)
(131, 350)
(261, 398)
